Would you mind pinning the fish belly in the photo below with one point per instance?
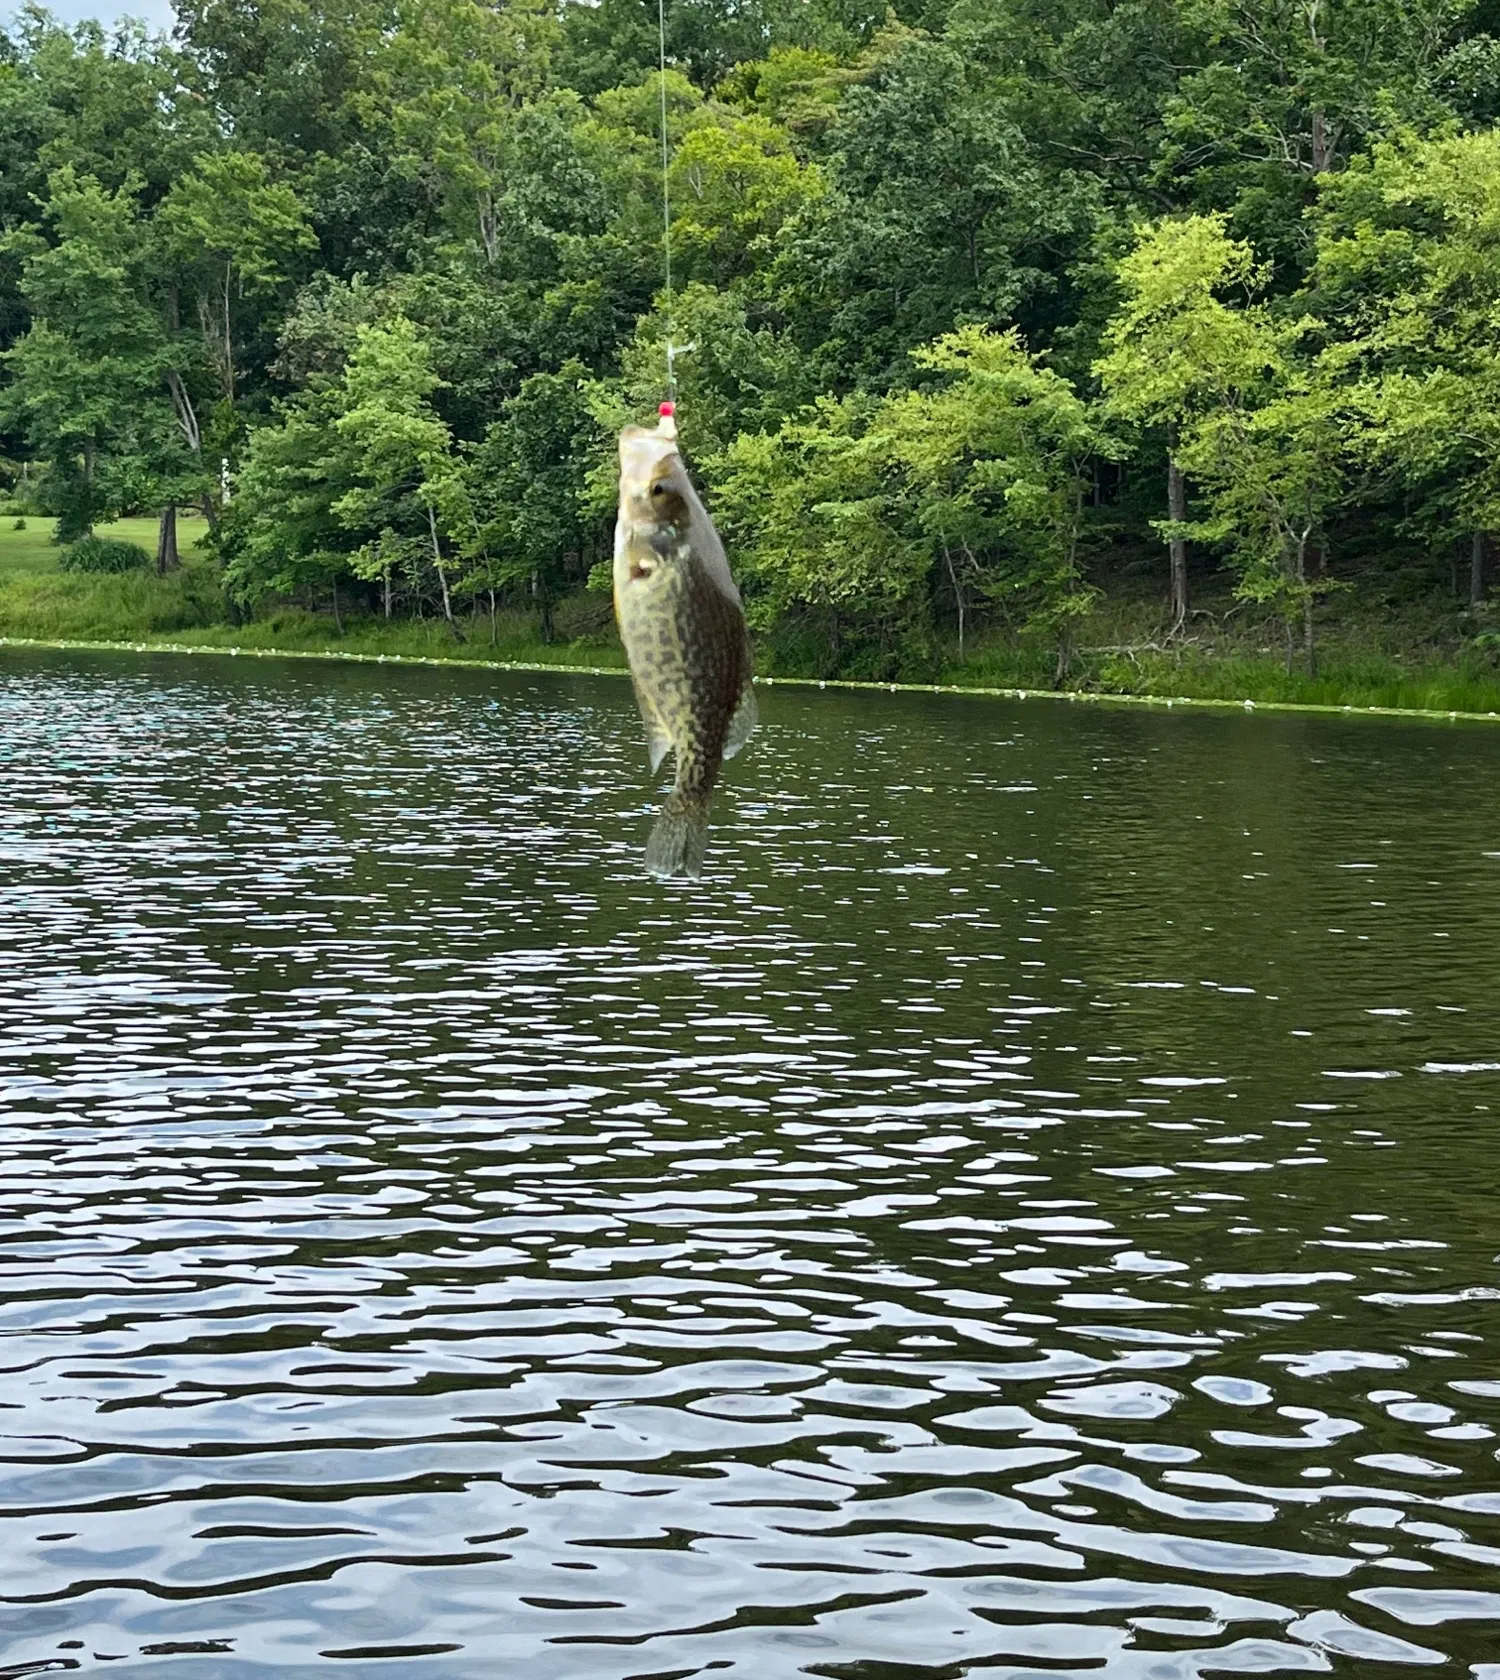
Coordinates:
(679, 653)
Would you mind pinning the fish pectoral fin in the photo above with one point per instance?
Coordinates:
(658, 742)
(742, 723)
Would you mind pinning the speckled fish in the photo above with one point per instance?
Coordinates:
(684, 632)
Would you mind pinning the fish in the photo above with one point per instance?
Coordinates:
(683, 625)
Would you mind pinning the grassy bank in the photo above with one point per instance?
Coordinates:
(1362, 678)
(1123, 653)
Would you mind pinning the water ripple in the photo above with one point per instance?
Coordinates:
(1028, 1212)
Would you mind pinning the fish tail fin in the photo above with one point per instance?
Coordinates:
(679, 839)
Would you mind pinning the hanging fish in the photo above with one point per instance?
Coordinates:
(684, 632)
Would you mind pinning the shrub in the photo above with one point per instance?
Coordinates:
(103, 554)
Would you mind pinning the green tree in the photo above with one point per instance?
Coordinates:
(735, 186)
(356, 478)
(828, 555)
(864, 510)
(535, 528)
(281, 534)
(731, 375)
(1176, 351)
(89, 364)
(1288, 90)
(1252, 417)
(937, 209)
(231, 232)
(998, 460)
(405, 468)
(284, 72)
(444, 92)
(1408, 274)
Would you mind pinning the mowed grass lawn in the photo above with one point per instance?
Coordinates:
(39, 601)
(33, 550)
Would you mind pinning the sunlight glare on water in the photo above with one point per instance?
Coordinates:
(1031, 1210)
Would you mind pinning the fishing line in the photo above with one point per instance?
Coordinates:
(666, 194)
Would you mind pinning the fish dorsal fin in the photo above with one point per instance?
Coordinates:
(742, 723)
(707, 548)
(657, 739)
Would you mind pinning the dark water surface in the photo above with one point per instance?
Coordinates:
(1033, 1211)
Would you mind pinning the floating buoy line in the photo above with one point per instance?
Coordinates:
(1161, 702)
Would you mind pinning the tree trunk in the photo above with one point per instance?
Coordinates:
(187, 415)
(228, 338)
(1319, 127)
(88, 482)
(458, 634)
(437, 560)
(1476, 569)
(1309, 648)
(338, 622)
(958, 599)
(494, 633)
(544, 608)
(166, 541)
(388, 592)
(1177, 544)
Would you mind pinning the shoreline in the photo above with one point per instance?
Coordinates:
(1085, 696)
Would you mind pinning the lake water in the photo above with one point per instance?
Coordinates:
(1031, 1211)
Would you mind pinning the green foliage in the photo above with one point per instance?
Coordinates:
(103, 554)
(1286, 93)
(1256, 422)
(813, 513)
(532, 527)
(864, 509)
(1409, 270)
(1176, 348)
(230, 233)
(82, 374)
(738, 377)
(359, 479)
(280, 535)
(445, 95)
(938, 208)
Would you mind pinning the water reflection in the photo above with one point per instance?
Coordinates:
(1031, 1211)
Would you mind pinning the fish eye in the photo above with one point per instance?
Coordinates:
(658, 489)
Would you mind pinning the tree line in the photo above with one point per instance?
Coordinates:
(986, 303)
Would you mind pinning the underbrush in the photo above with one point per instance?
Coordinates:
(107, 607)
(105, 555)
(1466, 685)
(293, 630)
